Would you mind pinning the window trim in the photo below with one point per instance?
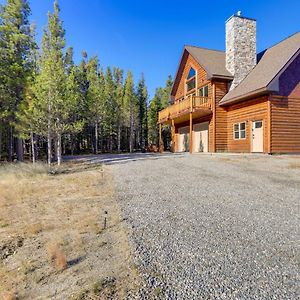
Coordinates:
(187, 92)
(203, 87)
(239, 131)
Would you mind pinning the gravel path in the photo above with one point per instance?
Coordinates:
(213, 227)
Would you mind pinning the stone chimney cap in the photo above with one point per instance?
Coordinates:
(239, 15)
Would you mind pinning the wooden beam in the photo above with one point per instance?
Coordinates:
(191, 132)
(160, 136)
(269, 126)
(214, 117)
(173, 135)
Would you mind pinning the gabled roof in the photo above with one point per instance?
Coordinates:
(212, 61)
(270, 63)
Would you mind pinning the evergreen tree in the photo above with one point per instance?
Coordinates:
(74, 96)
(119, 95)
(130, 108)
(15, 45)
(110, 108)
(159, 102)
(154, 108)
(51, 84)
(95, 97)
(142, 98)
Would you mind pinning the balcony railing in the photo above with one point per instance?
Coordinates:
(189, 104)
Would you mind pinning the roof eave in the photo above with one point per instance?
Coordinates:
(247, 96)
(216, 76)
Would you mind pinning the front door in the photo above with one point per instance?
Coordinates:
(184, 139)
(257, 136)
(200, 137)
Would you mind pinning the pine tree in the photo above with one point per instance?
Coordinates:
(28, 121)
(74, 96)
(119, 94)
(130, 105)
(154, 108)
(95, 97)
(51, 84)
(142, 98)
(15, 45)
(110, 108)
(159, 102)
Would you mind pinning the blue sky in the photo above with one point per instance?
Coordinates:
(148, 35)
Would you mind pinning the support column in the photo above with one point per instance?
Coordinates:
(173, 136)
(214, 117)
(160, 136)
(191, 132)
(191, 123)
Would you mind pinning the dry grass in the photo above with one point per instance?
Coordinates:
(59, 215)
(8, 296)
(57, 256)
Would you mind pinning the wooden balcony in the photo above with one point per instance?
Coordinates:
(190, 104)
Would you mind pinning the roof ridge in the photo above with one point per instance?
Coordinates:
(205, 48)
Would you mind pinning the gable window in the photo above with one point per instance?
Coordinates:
(203, 91)
(192, 73)
(191, 80)
(239, 131)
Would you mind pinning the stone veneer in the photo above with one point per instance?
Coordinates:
(240, 47)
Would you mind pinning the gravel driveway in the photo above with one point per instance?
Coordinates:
(213, 226)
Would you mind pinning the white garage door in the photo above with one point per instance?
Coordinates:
(183, 139)
(200, 137)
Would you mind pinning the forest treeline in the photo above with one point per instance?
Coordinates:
(50, 106)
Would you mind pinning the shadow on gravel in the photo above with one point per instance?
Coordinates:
(112, 159)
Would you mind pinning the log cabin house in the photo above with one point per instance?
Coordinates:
(237, 101)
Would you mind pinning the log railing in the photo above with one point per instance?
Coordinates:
(189, 104)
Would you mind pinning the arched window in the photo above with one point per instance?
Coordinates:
(191, 80)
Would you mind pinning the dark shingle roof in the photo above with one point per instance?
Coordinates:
(212, 61)
(271, 62)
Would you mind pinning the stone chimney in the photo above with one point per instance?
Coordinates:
(240, 47)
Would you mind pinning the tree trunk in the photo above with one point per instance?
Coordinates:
(49, 147)
(131, 136)
(10, 144)
(20, 150)
(96, 137)
(0, 142)
(58, 149)
(119, 137)
(32, 147)
(72, 143)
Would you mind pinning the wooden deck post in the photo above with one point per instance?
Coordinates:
(191, 124)
(173, 136)
(160, 136)
(191, 132)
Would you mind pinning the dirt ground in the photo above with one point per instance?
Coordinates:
(53, 240)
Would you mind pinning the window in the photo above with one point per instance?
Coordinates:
(191, 80)
(203, 91)
(192, 73)
(191, 84)
(258, 124)
(239, 131)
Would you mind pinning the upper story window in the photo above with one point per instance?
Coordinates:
(203, 91)
(191, 80)
(192, 73)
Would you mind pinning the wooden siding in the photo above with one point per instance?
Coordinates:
(285, 125)
(221, 88)
(187, 62)
(249, 111)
